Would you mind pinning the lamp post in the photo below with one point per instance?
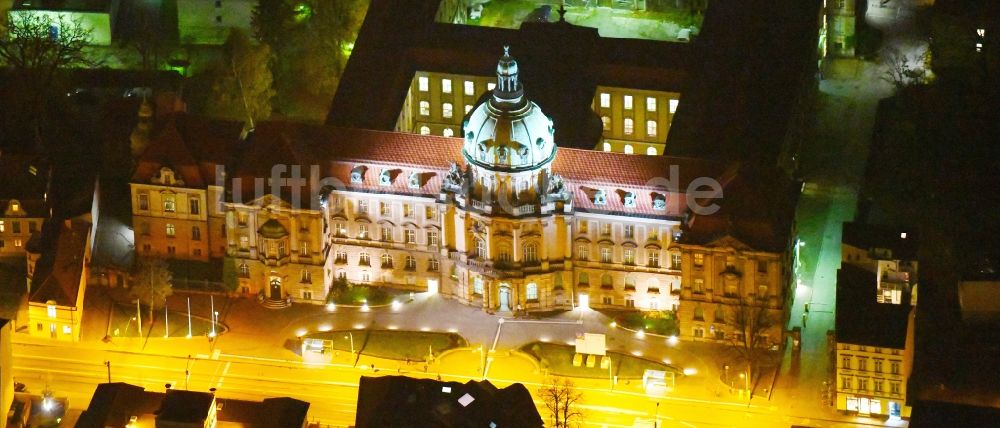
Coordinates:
(138, 315)
(656, 416)
(189, 317)
(107, 363)
(166, 320)
(611, 378)
(212, 333)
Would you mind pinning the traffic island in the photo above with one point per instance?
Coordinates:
(559, 359)
(390, 344)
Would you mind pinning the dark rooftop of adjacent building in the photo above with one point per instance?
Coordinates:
(860, 319)
(867, 237)
(399, 401)
(185, 406)
(59, 270)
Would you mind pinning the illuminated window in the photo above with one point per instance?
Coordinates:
(650, 103)
(363, 231)
(364, 259)
(18, 243)
(605, 100)
(530, 253)
(606, 122)
(468, 108)
(628, 102)
(14, 206)
(2, 226)
(241, 218)
(699, 286)
(446, 86)
(169, 205)
(582, 252)
(699, 260)
(448, 132)
(605, 255)
(409, 236)
(652, 258)
(470, 87)
(171, 231)
(386, 261)
(628, 255)
(244, 242)
(244, 270)
(651, 151)
(423, 84)
(606, 147)
(407, 210)
(424, 130)
(384, 209)
(490, 86)
(477, 286)
(446, 110)
(67, 329)
(531, 291)
(583, 226)
(432, 237)
(429, 212)
(628, 149)
(651, 128)
(51, 311)
(628, 126)
(425, 108)
(480, 248)
(673, 106)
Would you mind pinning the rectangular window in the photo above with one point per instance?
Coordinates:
(877, 385)
(423, 84)
(16, 226)
(845, 383)
(629, 231)
(244, 243)
(410, 236)
(432, 238)
(583, 252)
(429, 213)
(18, 243)
(652, 258)
(171, 230)
(362, 231)
(605, 255)
(699, 260)
(699, 285)
(362, 206)
(628, 256)
(673, 106)
(607, 300)
(3, 227)
(305, 277)
(651, 128)
(51, 311)
(384, 209)
(894, 388)
(143, 202)
(629, 303)
(628, 126)
(628, 102)
(32, 227)
(761, 266)
(340, 229)
(531, 291)
(675, 261)
(862, 364)
(303, 249)
(470, 87)
(447, 110)
(606, 229)
(878, 366)
(386, 234)
(894, 367)
(468, 108)
(605, 100)
(583, 226)
(411, 263)
(195, 233)
(425, 108)
(169, 205)
(407, 210)
(651, 104)
(446, 86)
(845, 362)
(241, 218)
(433, 265)
(195, 206)
(490, 86)
(477, 286)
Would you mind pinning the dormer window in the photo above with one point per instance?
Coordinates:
(14, 206)
(659, 202)
(358, 174)
(415, 180)
(600, 198)
(385, 178)
(629, 200)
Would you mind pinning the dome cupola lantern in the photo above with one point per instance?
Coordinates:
(508, 132)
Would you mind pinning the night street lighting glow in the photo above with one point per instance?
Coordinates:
(672, 340)
(330, 307)
(690, 371)
(640, 334)
(396, 304)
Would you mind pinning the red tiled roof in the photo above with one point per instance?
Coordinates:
(62, 283)
(190, 145)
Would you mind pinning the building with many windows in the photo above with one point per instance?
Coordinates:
(58, 276)
(206, 22)
(889, 253)
(874, 347)
(22, 202)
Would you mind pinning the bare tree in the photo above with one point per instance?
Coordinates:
(751, 320)
(561, 399)
(149, 41)
(152, 283)
(902, 70)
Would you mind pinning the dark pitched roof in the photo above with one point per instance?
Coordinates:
(867, 237)
(60, 269)
(860, 320)
(190, 145)
(24, 178)
(282, 412)
(112, 405)
(185, 406)
(756, 208)
(400, 401)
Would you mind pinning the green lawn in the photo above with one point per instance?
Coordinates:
(393, 344)
(361, 294)
(558, 360)
(662, 322)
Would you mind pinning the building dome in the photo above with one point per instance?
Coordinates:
(507, 132)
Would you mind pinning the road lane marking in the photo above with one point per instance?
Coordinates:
(223, 377)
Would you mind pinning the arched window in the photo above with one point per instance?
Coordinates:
(628, 149)
(606, 147)
(606, 121)
(628, 126)
(425, 130)
(448, 132)
(651, 128)
(530, 253)
(446, 110)
(531, 291)
(651, 151)
(425, 108)
(584, 278)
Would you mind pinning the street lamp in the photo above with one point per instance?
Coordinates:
(212, 333)
(189, 317)
(107, 363)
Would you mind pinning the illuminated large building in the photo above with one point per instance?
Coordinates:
(497, 217)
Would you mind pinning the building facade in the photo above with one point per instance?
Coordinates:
(841, 23)
(59, 277)
(18, 222)
(634, 121)
(872, 380)
(201, 22)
